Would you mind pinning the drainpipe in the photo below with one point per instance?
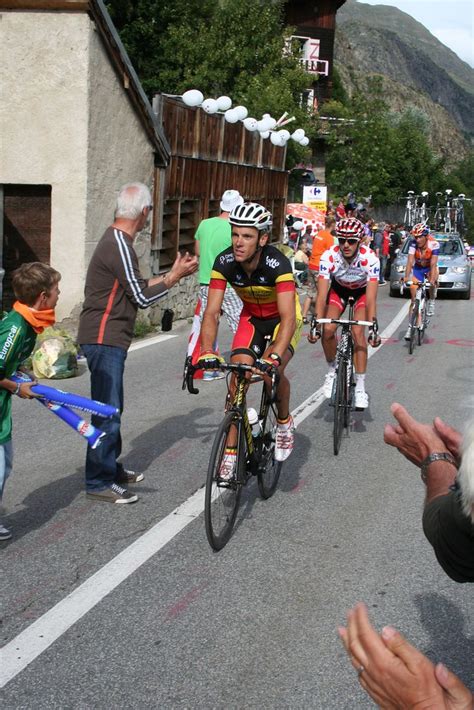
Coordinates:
(2, 270)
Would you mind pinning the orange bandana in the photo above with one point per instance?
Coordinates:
(39, 320)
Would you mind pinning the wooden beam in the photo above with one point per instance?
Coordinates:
(71, 5)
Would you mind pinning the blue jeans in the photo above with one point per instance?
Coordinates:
(383, 268)
(106, 364)
(6, 461)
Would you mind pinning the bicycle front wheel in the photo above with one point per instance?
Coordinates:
(268, 469)
(340, 404)
(222, 498)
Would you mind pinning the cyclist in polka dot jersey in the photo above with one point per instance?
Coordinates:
(348, 269)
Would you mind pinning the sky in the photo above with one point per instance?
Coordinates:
(451, 21)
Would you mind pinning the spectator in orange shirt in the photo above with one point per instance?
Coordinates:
(323, 240)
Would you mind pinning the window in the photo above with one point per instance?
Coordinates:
(26, 231)
(180, 221)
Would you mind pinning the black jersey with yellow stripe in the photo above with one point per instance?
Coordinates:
(259, 290)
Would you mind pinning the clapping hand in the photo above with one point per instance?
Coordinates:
(414, 440)
(184, 265)
(394, 673)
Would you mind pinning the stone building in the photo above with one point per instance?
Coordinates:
(76, 125)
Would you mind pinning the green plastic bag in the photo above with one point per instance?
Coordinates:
(55, 355)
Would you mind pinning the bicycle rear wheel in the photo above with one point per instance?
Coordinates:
(268, 469)
(222, 498)
(414, 326)
(340, 404)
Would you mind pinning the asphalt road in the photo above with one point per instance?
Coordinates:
(172, 624)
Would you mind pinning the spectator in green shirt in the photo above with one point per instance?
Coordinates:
(213, 236)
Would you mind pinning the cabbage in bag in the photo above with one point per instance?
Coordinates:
(55, 355)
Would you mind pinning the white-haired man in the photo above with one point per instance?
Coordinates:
(114, 291)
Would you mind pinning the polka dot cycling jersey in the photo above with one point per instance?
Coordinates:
(364, 267)
(423, 255)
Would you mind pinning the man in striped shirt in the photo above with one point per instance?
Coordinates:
(114, 291)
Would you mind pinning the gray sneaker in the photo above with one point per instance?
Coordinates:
(5, 533)
(114, 494)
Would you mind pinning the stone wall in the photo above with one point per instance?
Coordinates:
(44, 128)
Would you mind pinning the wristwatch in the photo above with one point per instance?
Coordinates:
(443, 456)
(275, 357)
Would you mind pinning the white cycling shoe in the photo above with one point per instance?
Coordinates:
(430, 311)
(361, 399)
(408, 333)
(285, 440)
(328, 384)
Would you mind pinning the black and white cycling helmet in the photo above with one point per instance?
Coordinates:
(350, 228)
(251, 214)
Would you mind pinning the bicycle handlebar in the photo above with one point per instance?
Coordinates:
(239, 368)
(424, 283)
(343, 321)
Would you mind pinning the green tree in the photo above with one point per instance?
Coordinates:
(359, 158)
(232, 48)
(461, 180)
(416, 167)
(378, 153)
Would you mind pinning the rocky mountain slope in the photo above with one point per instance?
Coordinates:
(417, 69)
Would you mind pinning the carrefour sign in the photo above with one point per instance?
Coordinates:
(315, 196)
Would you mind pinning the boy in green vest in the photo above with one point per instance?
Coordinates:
(36, 287)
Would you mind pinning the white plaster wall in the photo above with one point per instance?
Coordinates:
(119, 150)
(44, 127)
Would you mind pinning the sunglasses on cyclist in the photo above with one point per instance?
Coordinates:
(349, 240)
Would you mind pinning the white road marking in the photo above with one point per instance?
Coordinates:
(36, 638)
(30, 643)
(150, 341)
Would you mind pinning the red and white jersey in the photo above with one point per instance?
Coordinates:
(363, 268)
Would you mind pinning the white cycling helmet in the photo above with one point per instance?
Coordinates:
(251, 214)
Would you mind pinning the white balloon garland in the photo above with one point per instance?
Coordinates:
(267, 126)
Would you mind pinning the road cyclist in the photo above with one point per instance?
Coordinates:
(348, 269)
(419, 320)
(422, 262)
(262, 276)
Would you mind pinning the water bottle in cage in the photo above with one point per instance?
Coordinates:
(254, 422)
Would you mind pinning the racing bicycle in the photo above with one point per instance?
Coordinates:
(419, 315)
(255, 451)
(342, 398)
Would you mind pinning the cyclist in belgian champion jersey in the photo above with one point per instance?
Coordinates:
(262, 276)
(348, 269)
(422, 260)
